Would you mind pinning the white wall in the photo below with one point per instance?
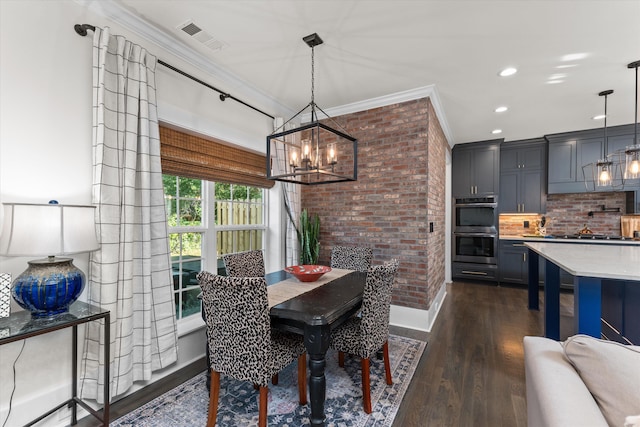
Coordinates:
(45, 153)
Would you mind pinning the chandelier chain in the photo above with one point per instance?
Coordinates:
(313, 73)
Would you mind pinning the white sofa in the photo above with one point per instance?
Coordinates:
(588, 384)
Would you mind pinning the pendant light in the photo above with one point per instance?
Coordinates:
(313, 153)
(605, 165)
(632, 152)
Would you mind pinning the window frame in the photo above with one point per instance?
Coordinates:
(209, 230)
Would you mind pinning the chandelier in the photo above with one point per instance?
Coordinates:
(313, 153)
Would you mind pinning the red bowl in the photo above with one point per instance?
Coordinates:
(307, 273)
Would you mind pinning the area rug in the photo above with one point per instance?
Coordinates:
(187, 404)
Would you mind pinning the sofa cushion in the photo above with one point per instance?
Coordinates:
(556, 395)
(611, 372)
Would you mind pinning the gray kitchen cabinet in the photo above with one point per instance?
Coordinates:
(513, 262)
(570, 152)
(523, 175)
(514, 267)
(476, 168)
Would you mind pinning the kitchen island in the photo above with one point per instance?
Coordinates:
(589, 265)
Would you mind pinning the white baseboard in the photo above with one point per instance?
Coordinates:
(414, 318)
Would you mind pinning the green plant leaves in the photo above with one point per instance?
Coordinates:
(309, 238)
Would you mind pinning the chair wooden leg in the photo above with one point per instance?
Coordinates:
(302, 378)
(262, 404)
(274, 379)
(214, 395)
(366, 386)
(387, 366)
(341, 359)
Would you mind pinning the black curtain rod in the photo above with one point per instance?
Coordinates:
(81, 29)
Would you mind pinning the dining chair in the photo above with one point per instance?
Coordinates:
(241, 343)
(363, 336)
(244, 264)
(351, 257)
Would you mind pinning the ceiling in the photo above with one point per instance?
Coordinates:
(378, 48)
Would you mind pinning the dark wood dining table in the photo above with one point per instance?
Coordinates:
(313, 315)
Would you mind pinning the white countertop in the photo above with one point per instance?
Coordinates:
(588, 260)
(628, 241)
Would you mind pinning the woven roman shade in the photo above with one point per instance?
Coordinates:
(195, 157)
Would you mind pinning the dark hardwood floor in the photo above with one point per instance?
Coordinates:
(471, 373)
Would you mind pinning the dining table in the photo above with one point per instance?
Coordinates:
(312, 310)
(313, 314)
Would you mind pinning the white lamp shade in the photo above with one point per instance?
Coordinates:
(47, 229)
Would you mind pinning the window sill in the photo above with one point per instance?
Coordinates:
(190, 324)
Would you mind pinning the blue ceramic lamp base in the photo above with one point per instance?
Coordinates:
(48, 287)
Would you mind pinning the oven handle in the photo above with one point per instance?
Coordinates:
(476, 205)
(472, 234)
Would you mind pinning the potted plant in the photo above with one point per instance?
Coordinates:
(309, 238)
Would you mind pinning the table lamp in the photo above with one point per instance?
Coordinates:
(50, 285)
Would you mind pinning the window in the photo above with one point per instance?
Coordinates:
(227, 218)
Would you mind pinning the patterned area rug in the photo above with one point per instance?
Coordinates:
(187, 404)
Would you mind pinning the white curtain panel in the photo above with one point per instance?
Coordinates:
(290, 195)
(131, 274)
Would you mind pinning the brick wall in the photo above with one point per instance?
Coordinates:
(400, 189)
(437, 146)
(568, 214)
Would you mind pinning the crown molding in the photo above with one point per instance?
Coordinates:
(430, 92)
(117, 13)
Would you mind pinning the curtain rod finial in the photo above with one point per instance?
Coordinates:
(82, 29)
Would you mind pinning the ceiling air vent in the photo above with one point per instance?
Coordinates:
(201, 36)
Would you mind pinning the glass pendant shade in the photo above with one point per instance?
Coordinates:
(604, 173)
(50, 285)
(632, 162)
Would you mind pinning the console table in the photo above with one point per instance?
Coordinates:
(20, 326)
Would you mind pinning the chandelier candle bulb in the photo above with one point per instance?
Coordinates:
(306, 149)
(293, 160)
(332, 155)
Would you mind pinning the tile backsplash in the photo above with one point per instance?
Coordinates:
(568, 214)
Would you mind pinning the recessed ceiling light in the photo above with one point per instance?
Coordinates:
(507, 72)
(598, 117)
(553, 82)
(496, 131)
(574, 57)
(566, 66)
(501, 109)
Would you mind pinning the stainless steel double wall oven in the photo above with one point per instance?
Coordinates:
(476, 230)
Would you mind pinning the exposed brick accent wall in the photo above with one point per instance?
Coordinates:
(568, 214)
(437, 146)
(400, 188)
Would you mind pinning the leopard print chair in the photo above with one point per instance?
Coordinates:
(244, 264)
(351, 258)
(363, 336)
(241, 342)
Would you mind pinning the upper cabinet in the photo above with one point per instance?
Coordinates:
(476, 168)
(570, 154)
(523, 175)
